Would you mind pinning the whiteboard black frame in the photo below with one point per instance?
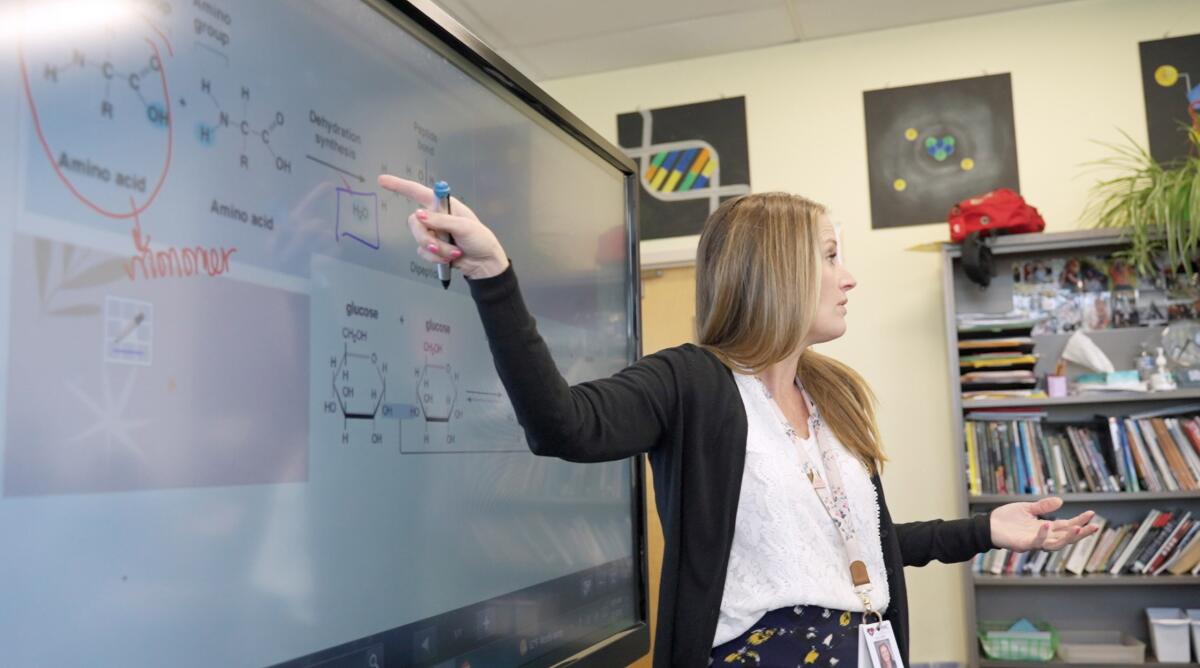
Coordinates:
(445, 35)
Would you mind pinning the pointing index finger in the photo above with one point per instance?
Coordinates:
(421, 193)
(410, 189)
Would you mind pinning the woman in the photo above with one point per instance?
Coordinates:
(885, 655)
(765, 454)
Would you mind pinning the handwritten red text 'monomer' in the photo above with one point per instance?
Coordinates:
(174, 262)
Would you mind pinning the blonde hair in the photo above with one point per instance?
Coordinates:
(758, 283)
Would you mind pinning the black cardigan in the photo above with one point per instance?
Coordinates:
(682, 407)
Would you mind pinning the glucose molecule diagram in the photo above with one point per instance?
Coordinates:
(360, 394)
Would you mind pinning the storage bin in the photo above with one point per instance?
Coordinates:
(1100, 647)
(1169, 634)
(1194, 616)
(999, 643)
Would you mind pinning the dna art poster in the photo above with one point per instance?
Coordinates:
(690, 158)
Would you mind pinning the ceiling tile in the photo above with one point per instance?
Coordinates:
(829, 18)
(661, 43)
(523, 23)
(549, 39)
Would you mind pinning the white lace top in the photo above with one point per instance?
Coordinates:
(786, 549)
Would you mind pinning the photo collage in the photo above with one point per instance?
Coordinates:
(1100, 292)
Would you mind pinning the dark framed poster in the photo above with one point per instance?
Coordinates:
(1171, 87)
(932, 145)
(690, 158)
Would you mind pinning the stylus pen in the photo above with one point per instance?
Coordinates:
(441, 190)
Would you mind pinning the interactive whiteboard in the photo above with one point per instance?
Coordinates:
(243, 424)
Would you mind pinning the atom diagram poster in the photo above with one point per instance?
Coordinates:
(1171, 87)
(690, 158)
(930, 146)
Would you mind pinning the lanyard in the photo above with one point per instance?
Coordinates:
(831, 492)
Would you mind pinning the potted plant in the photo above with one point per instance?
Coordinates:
(1156, 205)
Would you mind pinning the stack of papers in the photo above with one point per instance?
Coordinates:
(980, 395)
(1003, 359)
(1020, 342)
(995, 352)
(975, 322)
(1014, 377)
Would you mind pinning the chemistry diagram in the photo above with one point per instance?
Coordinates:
(231, 117)
(104, 108)
(419, 407)
(116, 78)
(251, 131)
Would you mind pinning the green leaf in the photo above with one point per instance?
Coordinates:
(1159, 205)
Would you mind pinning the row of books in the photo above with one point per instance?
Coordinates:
(1165, 541)
(1016, 453)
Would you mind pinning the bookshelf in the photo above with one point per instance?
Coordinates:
(1068, 602)
(1098, 580)
(1191, 395)
(1149, 663)
(981, 500)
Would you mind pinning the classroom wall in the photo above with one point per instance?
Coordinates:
(668, 302)
(1076, 79)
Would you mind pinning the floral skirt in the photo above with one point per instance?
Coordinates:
(799, 636)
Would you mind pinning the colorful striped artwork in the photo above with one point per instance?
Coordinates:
(680, 170)
(690, 158)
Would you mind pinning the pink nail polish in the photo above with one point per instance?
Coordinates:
(422, 215)
(456, 254)
(432, 248)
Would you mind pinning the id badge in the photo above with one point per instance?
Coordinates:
(877, 646)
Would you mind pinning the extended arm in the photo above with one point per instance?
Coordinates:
(601, 420)
(947, 541)
(1013, 526)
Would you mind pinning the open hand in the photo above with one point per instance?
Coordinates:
(475, 252)
(1018, 527)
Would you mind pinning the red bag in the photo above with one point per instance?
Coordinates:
(1000, 211)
